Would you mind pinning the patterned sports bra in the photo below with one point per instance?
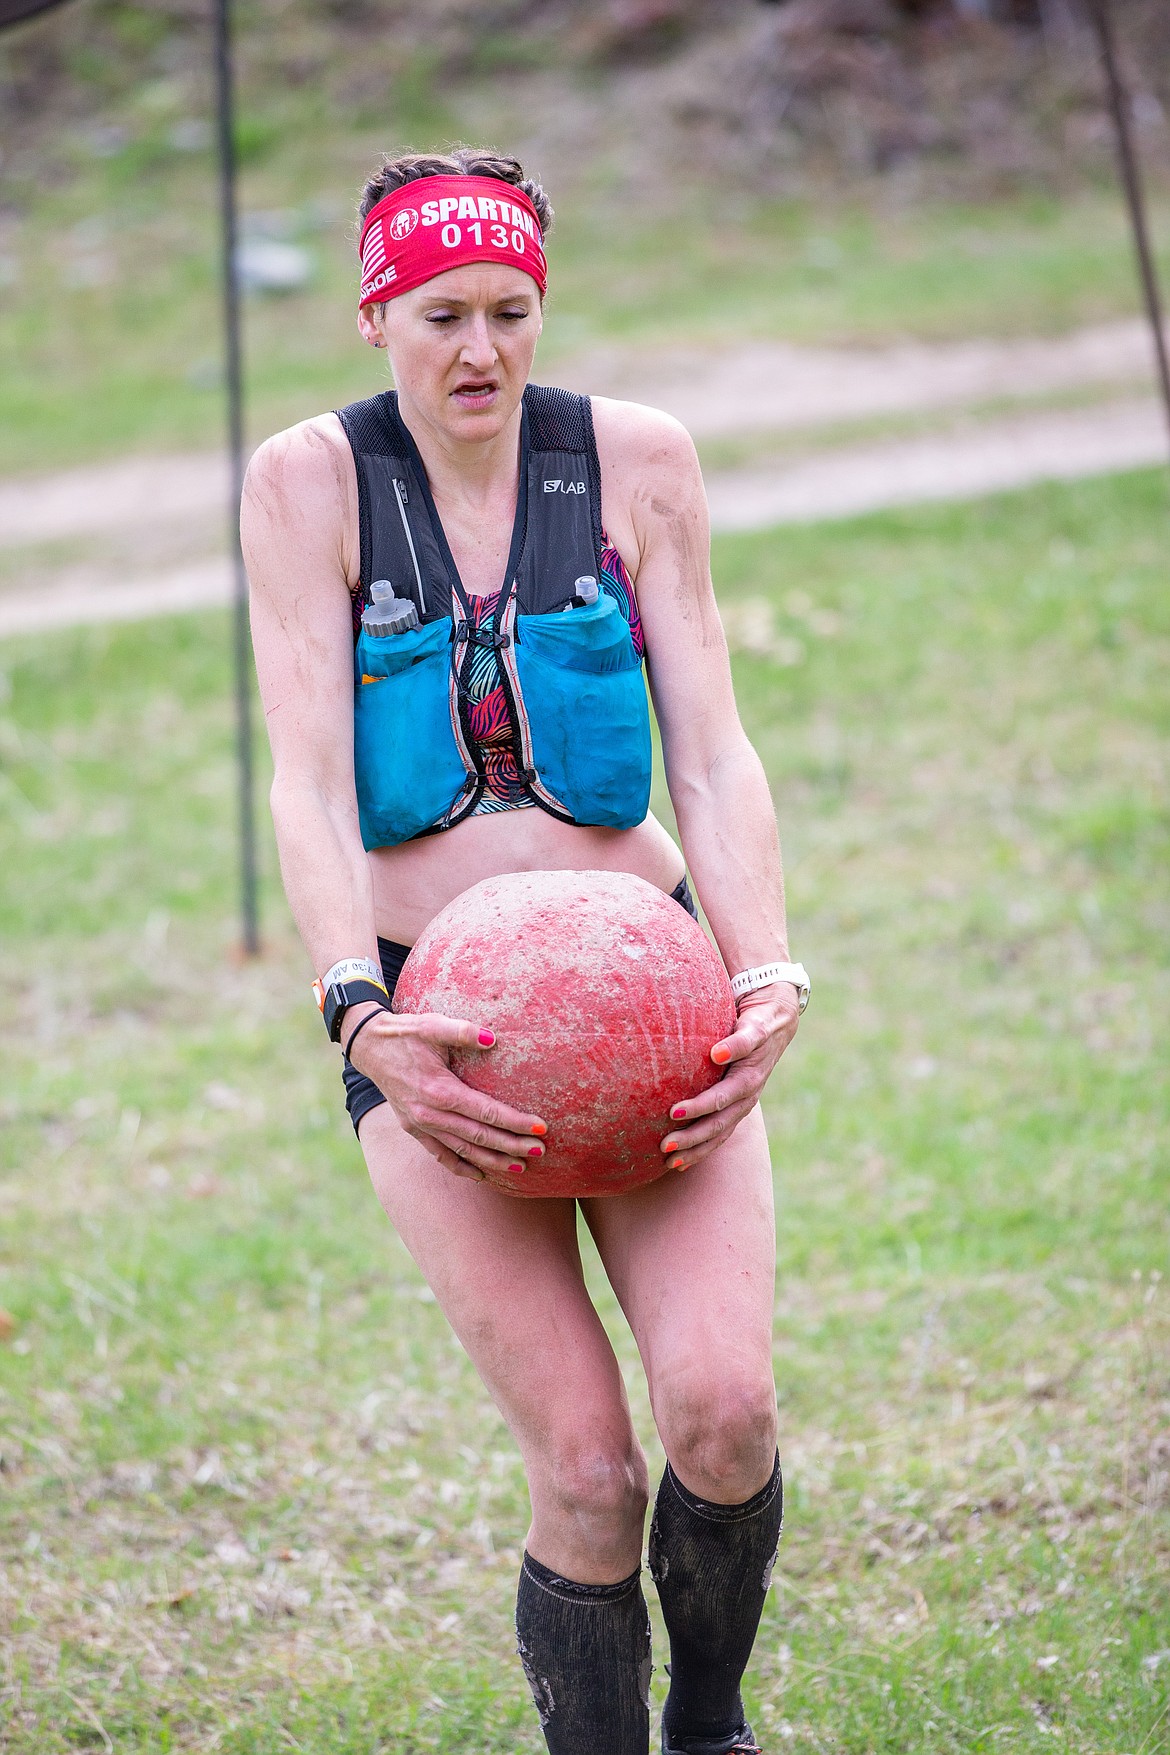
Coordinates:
(490, 726)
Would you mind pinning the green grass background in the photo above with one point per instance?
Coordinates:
(123, 352)
(252, 1496)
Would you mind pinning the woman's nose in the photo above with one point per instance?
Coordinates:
(478, 347)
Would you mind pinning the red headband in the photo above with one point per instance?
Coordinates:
(436, 223)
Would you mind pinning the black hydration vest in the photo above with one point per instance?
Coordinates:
(580, 729)
(556, 538)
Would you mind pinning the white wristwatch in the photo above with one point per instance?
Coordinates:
(767, 973)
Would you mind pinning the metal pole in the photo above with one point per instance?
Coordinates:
(235, 409)
(1131, 178)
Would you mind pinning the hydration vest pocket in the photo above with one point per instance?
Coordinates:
(407, 766)
(588, 716)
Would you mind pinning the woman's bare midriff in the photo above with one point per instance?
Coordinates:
(414, 881)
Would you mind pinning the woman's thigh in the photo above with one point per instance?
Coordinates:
(692, 1259)
(507, 1274)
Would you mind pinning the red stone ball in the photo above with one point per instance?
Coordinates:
(606, 998)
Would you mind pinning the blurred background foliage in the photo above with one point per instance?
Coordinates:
(972, 95)
(822, 170)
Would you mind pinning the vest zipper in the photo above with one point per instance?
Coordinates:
(400, 496)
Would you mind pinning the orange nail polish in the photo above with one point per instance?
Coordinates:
(539, 1129)
(670, 1145)
(720, 1055)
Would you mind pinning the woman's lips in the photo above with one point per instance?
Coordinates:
(477, 395)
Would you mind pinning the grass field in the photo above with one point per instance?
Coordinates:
(253, 1497)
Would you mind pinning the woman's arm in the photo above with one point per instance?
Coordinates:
(292, 526)
(300, 504)
(655, 503)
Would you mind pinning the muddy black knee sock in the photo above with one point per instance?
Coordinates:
(586, 1652)
(712, 1565)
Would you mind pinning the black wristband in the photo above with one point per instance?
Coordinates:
(338, 999)
(361, 1026)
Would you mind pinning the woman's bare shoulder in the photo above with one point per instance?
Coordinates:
(300, 502)
(312, 458)
(649, 472)
(633, 432)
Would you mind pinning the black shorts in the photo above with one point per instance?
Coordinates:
(361, 1093)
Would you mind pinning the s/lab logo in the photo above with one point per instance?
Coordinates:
(564, 487)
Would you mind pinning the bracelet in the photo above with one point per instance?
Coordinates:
(763, 976)
(361, 1026)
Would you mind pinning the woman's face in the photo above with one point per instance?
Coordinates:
(461, 347)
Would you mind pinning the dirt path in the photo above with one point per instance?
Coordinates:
(112, 497)
(978, 458)
(773, 387)
(752, 389)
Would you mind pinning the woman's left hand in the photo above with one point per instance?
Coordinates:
(766, 1025)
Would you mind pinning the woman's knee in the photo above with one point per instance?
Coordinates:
(600, 1488)
(720, 1433)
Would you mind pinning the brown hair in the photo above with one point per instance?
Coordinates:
(465, 161)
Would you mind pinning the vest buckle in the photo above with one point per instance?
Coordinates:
(489, 641)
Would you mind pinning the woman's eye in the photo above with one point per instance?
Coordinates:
(513, 316)
(442, 317)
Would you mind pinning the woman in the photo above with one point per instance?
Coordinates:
(477, 494)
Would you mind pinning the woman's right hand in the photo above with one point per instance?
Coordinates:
(406, 1056)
